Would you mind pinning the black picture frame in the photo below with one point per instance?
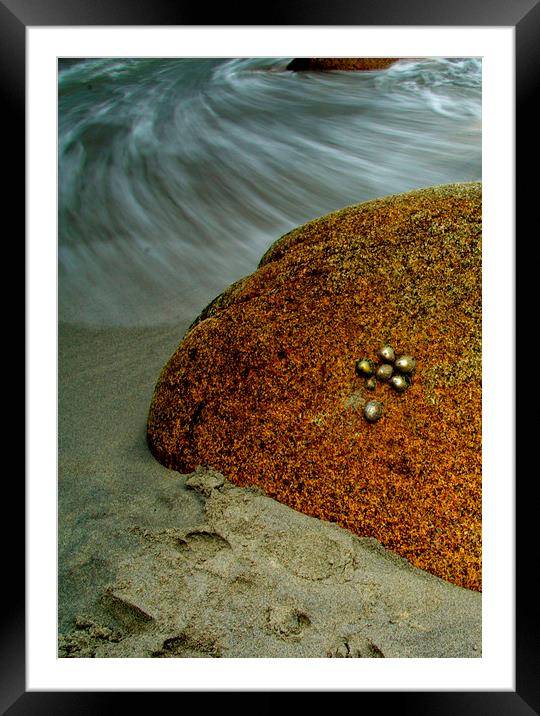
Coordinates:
(524, 17)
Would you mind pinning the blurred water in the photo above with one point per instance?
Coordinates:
(175, 175)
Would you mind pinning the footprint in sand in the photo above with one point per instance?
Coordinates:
(287, 622)
(355, 646)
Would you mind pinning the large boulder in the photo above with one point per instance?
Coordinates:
(303, 64)
(263, 385)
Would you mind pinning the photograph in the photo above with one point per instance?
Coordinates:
(301, 475)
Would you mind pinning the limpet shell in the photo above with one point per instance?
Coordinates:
(373, 410)
(387, 353)
(365, 366)
(405, 364)
(371, 383)
(400, 382)
(384, 372)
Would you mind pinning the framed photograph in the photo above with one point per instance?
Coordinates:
(164, 159)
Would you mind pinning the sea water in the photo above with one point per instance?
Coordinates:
(176, 175)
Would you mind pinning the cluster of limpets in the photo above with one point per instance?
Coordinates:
(394, 370)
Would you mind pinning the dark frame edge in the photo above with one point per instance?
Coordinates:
(12, 99)
(15, 701)
(527, 76)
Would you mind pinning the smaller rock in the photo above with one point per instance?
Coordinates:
(303, 64)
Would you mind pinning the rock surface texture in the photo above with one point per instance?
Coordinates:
(302, 64)
(263, 385)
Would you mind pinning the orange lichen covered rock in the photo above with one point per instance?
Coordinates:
(263, 386)
(302, 64)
